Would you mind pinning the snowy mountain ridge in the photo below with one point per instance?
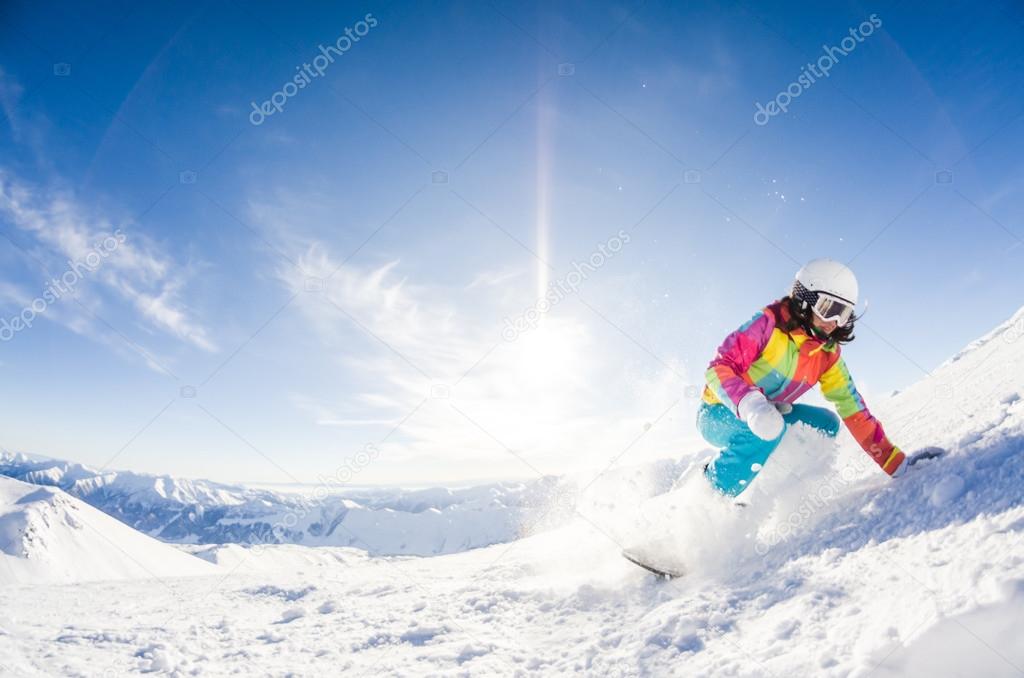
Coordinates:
(385, 521)
(1010, 332)
(47, 535)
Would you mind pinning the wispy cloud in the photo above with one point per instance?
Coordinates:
(494, 278)
(552, 401)
(63, 230)
(26, 133)
(10, 94)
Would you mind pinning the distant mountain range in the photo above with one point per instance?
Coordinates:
(389, 522)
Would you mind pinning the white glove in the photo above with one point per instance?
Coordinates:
(761, 416)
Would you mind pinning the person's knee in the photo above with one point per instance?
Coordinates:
(819, 418)
(717, 424)
(831, 424)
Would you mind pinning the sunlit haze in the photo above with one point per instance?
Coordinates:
(470, 240)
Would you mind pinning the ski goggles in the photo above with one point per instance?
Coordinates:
(832, 309)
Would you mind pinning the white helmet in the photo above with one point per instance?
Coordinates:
(827, 287)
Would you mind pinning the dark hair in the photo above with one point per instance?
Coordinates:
(800, 317)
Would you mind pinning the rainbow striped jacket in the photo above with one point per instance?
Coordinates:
(785, 366)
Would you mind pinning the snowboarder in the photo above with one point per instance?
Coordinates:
(753, 383)
(763, 367)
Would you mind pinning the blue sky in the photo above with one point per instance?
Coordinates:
(278, 296)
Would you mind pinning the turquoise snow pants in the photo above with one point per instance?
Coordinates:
(743, 453)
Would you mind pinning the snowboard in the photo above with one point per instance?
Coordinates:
(924, 454)
(644, 557)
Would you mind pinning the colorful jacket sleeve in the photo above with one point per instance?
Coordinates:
(838, 389)
(735, 355)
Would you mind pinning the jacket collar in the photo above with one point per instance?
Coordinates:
(801, 336)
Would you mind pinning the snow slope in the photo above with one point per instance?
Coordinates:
(48, 536)
(832, 570)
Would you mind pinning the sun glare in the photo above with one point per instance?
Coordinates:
(547, 353)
